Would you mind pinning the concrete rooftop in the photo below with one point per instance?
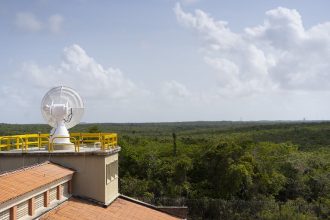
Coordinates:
(86, 150)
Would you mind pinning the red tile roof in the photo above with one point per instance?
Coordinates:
(120, 209)
(19, 182)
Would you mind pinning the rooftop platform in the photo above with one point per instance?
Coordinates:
(83, 150)
(86, 143)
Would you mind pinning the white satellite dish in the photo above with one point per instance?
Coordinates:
(62, 108)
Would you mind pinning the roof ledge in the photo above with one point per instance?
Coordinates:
(176, 211)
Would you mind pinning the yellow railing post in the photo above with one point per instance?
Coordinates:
(51, 147)
(24, 145)
(102, 142)
(2, 145)
(26, 142)
(8, 144)
(39, 140)
(17, 143)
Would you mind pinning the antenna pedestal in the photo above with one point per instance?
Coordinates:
(60, 138)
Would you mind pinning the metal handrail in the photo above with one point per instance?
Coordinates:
(15, 138)
(106, 140)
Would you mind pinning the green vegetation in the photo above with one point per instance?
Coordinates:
(223, 170)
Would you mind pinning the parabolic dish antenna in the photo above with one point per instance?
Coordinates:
(62, 108)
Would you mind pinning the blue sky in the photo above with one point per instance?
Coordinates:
(162, 60)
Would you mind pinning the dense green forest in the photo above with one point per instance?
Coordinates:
(223, 170)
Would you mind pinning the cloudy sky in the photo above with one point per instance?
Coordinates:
(164, 60)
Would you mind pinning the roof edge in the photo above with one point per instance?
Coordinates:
(159, 209)
(21, 169)
(8, 172)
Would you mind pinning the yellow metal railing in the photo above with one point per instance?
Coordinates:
(106, 141)
(12, 140)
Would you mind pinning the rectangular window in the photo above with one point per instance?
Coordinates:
(111, 171)
(115, 169)
(39, 201)
(65, 188)
(52, 194)
(22, 209)
(108, 173)
(5, 215)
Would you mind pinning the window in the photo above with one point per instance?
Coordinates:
(52, 194)
(39, 201)
(112, 171)
(5, 215)
(22, 209)
(108, 173)
(65, 188)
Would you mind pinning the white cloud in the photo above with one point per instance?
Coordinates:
(216, 33)
(28, 22)
(279, 54)
(80, 71)
(55, 23)
(282, 28)
(174, 90)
